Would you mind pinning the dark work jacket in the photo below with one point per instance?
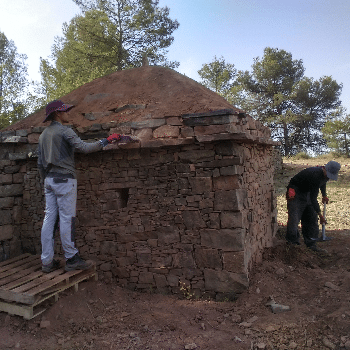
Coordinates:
(310, 180)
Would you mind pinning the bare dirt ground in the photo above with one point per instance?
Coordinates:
(315, 286)
(104, 316)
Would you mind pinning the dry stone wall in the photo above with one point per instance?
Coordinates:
(175, 213)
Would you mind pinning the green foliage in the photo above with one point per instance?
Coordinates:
(293, 106)
(13, 83)
(77, 58)
(109, 36)
(218, 76)
(186, 290)
(336, 132)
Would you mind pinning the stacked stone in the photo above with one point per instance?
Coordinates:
(190, 208)
(174, 227)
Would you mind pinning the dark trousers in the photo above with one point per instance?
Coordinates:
(301, 209)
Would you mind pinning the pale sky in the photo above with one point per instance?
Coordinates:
(316, 31)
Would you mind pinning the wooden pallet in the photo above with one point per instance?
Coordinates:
(24, 287)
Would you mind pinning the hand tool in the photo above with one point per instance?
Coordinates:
(323, 237)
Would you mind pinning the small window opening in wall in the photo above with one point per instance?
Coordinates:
(124, 197)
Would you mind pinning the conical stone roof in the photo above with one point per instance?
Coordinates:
(158, 105)
(136, 94)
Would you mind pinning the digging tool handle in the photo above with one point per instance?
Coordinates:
(323, 225)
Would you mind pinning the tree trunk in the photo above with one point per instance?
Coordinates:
(286, 140)
(346, 146)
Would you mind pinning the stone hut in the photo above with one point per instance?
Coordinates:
(192, 204)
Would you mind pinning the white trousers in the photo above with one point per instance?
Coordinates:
(61, 199)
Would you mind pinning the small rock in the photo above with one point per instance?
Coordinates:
(332, 286)
(124, 314)
(245, 324)
(271, 328)
(253, 319)
(309, 342)
(99, 319)
(258, 290)
(7, 319)
(261, 346)
(278, 308)
(239, 340)
(236, 318)
(60, 341)
(280, 272)
(203, 326)
(190, 346)
(327, 343)
(293, 345)
(45, 324)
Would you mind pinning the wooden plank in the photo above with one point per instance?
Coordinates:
(48, 284)
(9, 295)
(30, 311)
(74, 279)
(55, 281)
(18, 295)
(22, 259)
(15, 309)
(38, 281)
(25, 279)
(18, 266)
(10, 261)
(19, 275)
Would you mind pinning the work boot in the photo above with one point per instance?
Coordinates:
(54, 265)
(77, 263)
(316, 249)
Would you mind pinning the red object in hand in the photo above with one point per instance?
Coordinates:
(113, 138)
(325, 199)
(290, 194)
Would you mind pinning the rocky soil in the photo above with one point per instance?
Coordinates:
(315, 286)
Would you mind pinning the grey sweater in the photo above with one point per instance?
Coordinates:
(57, 145)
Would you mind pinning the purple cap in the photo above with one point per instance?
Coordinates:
(54, 106)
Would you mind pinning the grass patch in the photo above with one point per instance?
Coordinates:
(338, 192)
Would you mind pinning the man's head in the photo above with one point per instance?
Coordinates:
(55, 106)
(332, 168)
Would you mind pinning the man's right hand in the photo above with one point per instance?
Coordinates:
(113, 138)
(290, 194)
(322, 220)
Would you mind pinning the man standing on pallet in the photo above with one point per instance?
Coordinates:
(57, 145)
(302, 203)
